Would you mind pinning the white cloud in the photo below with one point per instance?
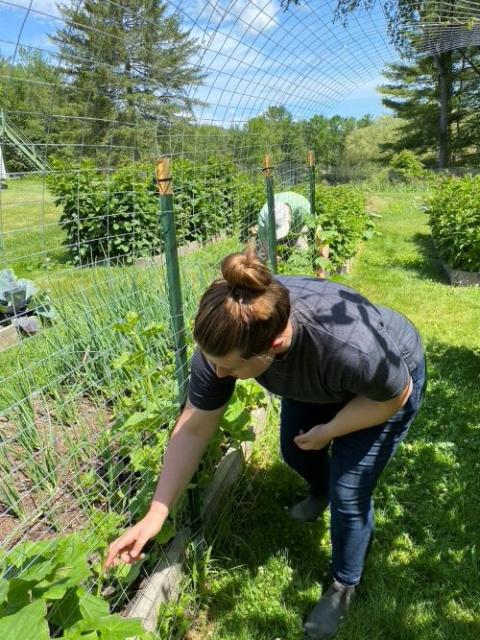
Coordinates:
(243, 16)
(47, 6)
(228, 54)
(38, 8)
(257, 15)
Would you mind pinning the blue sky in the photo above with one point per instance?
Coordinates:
(255, 54)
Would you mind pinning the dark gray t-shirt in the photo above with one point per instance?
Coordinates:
(342, 346)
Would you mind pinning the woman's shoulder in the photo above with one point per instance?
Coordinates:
(309, 287)
(329, 307)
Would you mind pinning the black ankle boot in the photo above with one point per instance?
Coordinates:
(309, 509)
(324, 620)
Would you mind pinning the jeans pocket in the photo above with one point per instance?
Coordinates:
(418, 374)
(419, 377)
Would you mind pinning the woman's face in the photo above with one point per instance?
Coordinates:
(237, 367)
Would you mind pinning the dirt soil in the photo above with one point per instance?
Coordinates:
(48, 514)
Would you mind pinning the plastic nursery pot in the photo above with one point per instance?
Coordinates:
(16, 299)
(461, 278)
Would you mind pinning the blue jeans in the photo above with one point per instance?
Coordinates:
(348, 473)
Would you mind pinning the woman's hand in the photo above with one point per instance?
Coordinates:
(317, 438)
(127, 547)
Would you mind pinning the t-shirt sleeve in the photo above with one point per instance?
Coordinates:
(263, 223)
(300, 207)
(379, 374)
(206, 390)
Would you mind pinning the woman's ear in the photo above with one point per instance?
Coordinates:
(277, 342)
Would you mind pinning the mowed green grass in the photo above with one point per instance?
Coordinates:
(31, 236)
(422, 578)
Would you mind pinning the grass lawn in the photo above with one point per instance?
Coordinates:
(422, 579)
(31, 237)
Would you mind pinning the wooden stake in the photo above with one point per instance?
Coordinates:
(164, 177)
(311, 158)
(267, 165)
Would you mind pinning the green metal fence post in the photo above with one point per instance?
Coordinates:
(311, 164)
(321, 250)
(271, 228)
(164, 183)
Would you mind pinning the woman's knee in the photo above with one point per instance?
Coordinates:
(350, 502)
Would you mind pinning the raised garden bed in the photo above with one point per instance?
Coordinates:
(454, 217)
(164, 583)
(8, 337)
(183, 250)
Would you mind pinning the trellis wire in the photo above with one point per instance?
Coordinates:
(254, 55)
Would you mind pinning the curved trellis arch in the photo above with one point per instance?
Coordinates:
(247, 57)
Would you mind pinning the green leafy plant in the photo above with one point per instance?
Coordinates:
(105, 218)
(204, 198)
(237, 419)
(454, 218)
(294, 261)
(214, 197)
(341, 222)
(116, 217)
(249, 197)
(235, 427)
(143, 415)
(44, 594)
(405, 167)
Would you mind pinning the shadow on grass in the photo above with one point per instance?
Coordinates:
(423, 575)
(428, 265)
(427, 543)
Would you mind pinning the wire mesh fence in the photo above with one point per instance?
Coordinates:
(91, 94)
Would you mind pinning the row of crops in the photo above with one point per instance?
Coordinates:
(454, 214)
(83, 439)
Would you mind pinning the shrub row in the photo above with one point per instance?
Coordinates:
(116, 216)
(344, 221)
(340, 221)
(454, 218)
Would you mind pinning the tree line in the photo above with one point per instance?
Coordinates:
(435, 87)
(117, 88)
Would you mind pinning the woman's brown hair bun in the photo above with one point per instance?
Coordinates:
(244, 311)
(245, 271)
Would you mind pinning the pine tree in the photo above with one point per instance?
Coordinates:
(414, 95)
(130, 66)
(408, 23)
